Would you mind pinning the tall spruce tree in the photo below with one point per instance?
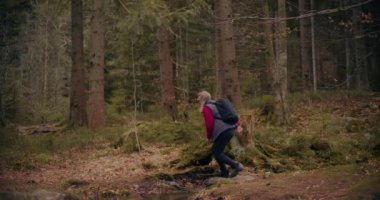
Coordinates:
(227, 70)
(96, 104)
(78, 96)
(166, 71)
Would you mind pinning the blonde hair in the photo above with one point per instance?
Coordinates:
(203, 97)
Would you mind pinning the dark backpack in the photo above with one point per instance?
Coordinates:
(226, 111)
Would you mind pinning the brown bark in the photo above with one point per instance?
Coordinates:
(166, 71)
(347, 50)
(220, 86)
(280, 79)
(96, 118)
(314, 50)
(276, 60)
(183, 79)
(78, 85)
(268, 41)
(305, 34)
(227, 71)
(46, 57)
(359, 43)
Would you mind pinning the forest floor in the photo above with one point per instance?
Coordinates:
(109, 173)
(148, 175)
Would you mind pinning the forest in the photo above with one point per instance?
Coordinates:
(98, 98)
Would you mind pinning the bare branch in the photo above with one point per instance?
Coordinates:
(309, 14)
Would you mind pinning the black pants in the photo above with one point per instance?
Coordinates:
(218, 148)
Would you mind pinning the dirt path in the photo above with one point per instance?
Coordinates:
(111, 172)
(328, 183)
(94, 171)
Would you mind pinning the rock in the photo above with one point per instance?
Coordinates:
(243, 178)
(205, 160)
(267, 174)
(320, 145)
(376, 149)
(189, 186)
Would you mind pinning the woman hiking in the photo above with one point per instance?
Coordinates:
(219, 133)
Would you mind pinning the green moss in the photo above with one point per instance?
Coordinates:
(195, 153)
(273, 145)
(299, 146)
(31, 151)
(170, 132)
(367, 189)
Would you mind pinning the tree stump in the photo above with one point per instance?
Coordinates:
(247, 122)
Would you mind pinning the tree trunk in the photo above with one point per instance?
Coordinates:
(361, 80)
(227, 69)
(96, 118)
(166, 70)
(313, 50)
(280, 80)
(78, 97)
(220, 83)
(2, 95)
(183, 79)
(268, 42)
(347, 47)
(305, 34)
(46, 57)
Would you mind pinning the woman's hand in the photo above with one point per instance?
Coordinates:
(239, 129)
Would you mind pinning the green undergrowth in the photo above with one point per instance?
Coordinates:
(278, 150)
(322, 133)
(327, 128)
(281, 151)
(169, 132)
(162, 132)
(29, 152)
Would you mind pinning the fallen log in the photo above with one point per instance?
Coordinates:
(37, 129)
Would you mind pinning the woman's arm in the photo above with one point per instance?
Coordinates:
(209, 121)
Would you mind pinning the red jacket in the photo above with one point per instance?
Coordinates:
(209, 121)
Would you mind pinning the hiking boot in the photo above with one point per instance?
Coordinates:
(224, 174)
(235, 171)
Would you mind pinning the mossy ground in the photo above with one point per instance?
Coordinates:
(327, 129)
